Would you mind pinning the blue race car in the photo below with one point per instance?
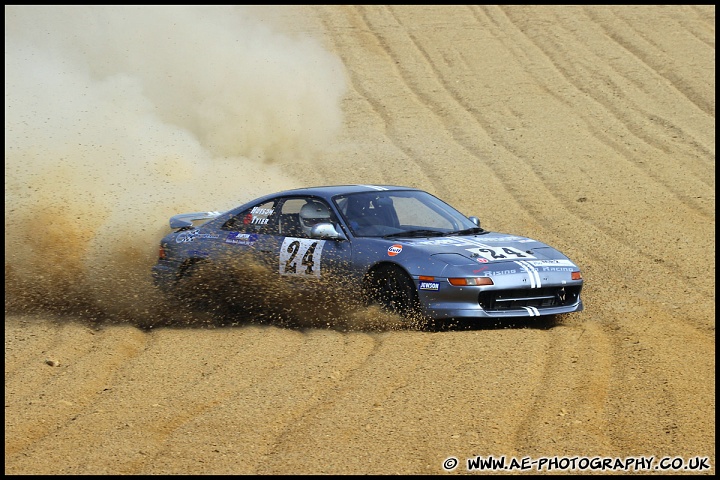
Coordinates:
(398, 247)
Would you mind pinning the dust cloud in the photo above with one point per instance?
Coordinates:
(240, 290)
(117, 117)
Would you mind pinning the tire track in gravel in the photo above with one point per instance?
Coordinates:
(584, 74)
(704, 16)
(569, 70)
(588, 398)
(468, 141)
(24, 349)
(682, 386)
(614, 289)
(554, 48)
(251, 421)
(344, 411)
(190, 390)
(428, 400)
(568, 406)
(444, 105)
(511, 21)
(355, 35)
(646, 49)
(403, 136)
(88, 360)
(201, 389)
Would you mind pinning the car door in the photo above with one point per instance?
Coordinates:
(254, 231)
(301, 257)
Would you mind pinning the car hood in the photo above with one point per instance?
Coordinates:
(486, 248)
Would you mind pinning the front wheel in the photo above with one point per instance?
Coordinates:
(394, 291)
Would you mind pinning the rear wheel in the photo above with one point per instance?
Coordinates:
(191, 289)
(199, 291)
(394, 291)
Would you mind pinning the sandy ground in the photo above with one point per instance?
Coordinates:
(590, 128)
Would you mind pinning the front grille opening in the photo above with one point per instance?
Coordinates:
(539, 298)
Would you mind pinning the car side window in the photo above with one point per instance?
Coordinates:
(289, 222)
(261, 218)
(299, 214)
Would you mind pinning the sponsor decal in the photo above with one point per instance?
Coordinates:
(557, 269)
(394, 249)
(191, 235)
(480, 241)
(510, 238)
(552, 263)
(500, 272)
(443, 241)
(429, 286)
(238, 238)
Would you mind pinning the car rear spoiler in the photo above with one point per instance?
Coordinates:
(185, 219)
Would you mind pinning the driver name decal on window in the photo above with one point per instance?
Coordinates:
(301, 256)
(259, 216)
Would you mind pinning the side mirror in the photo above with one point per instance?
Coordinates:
(326, 231)
(475, 220)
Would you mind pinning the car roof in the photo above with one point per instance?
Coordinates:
(332, 190)
(326, 192)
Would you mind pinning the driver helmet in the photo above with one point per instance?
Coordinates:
(311, 214)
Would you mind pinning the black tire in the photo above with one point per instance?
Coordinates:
(394, 291)
(200, 291)
(191, 289)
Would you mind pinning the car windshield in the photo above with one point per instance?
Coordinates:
(398, 213)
